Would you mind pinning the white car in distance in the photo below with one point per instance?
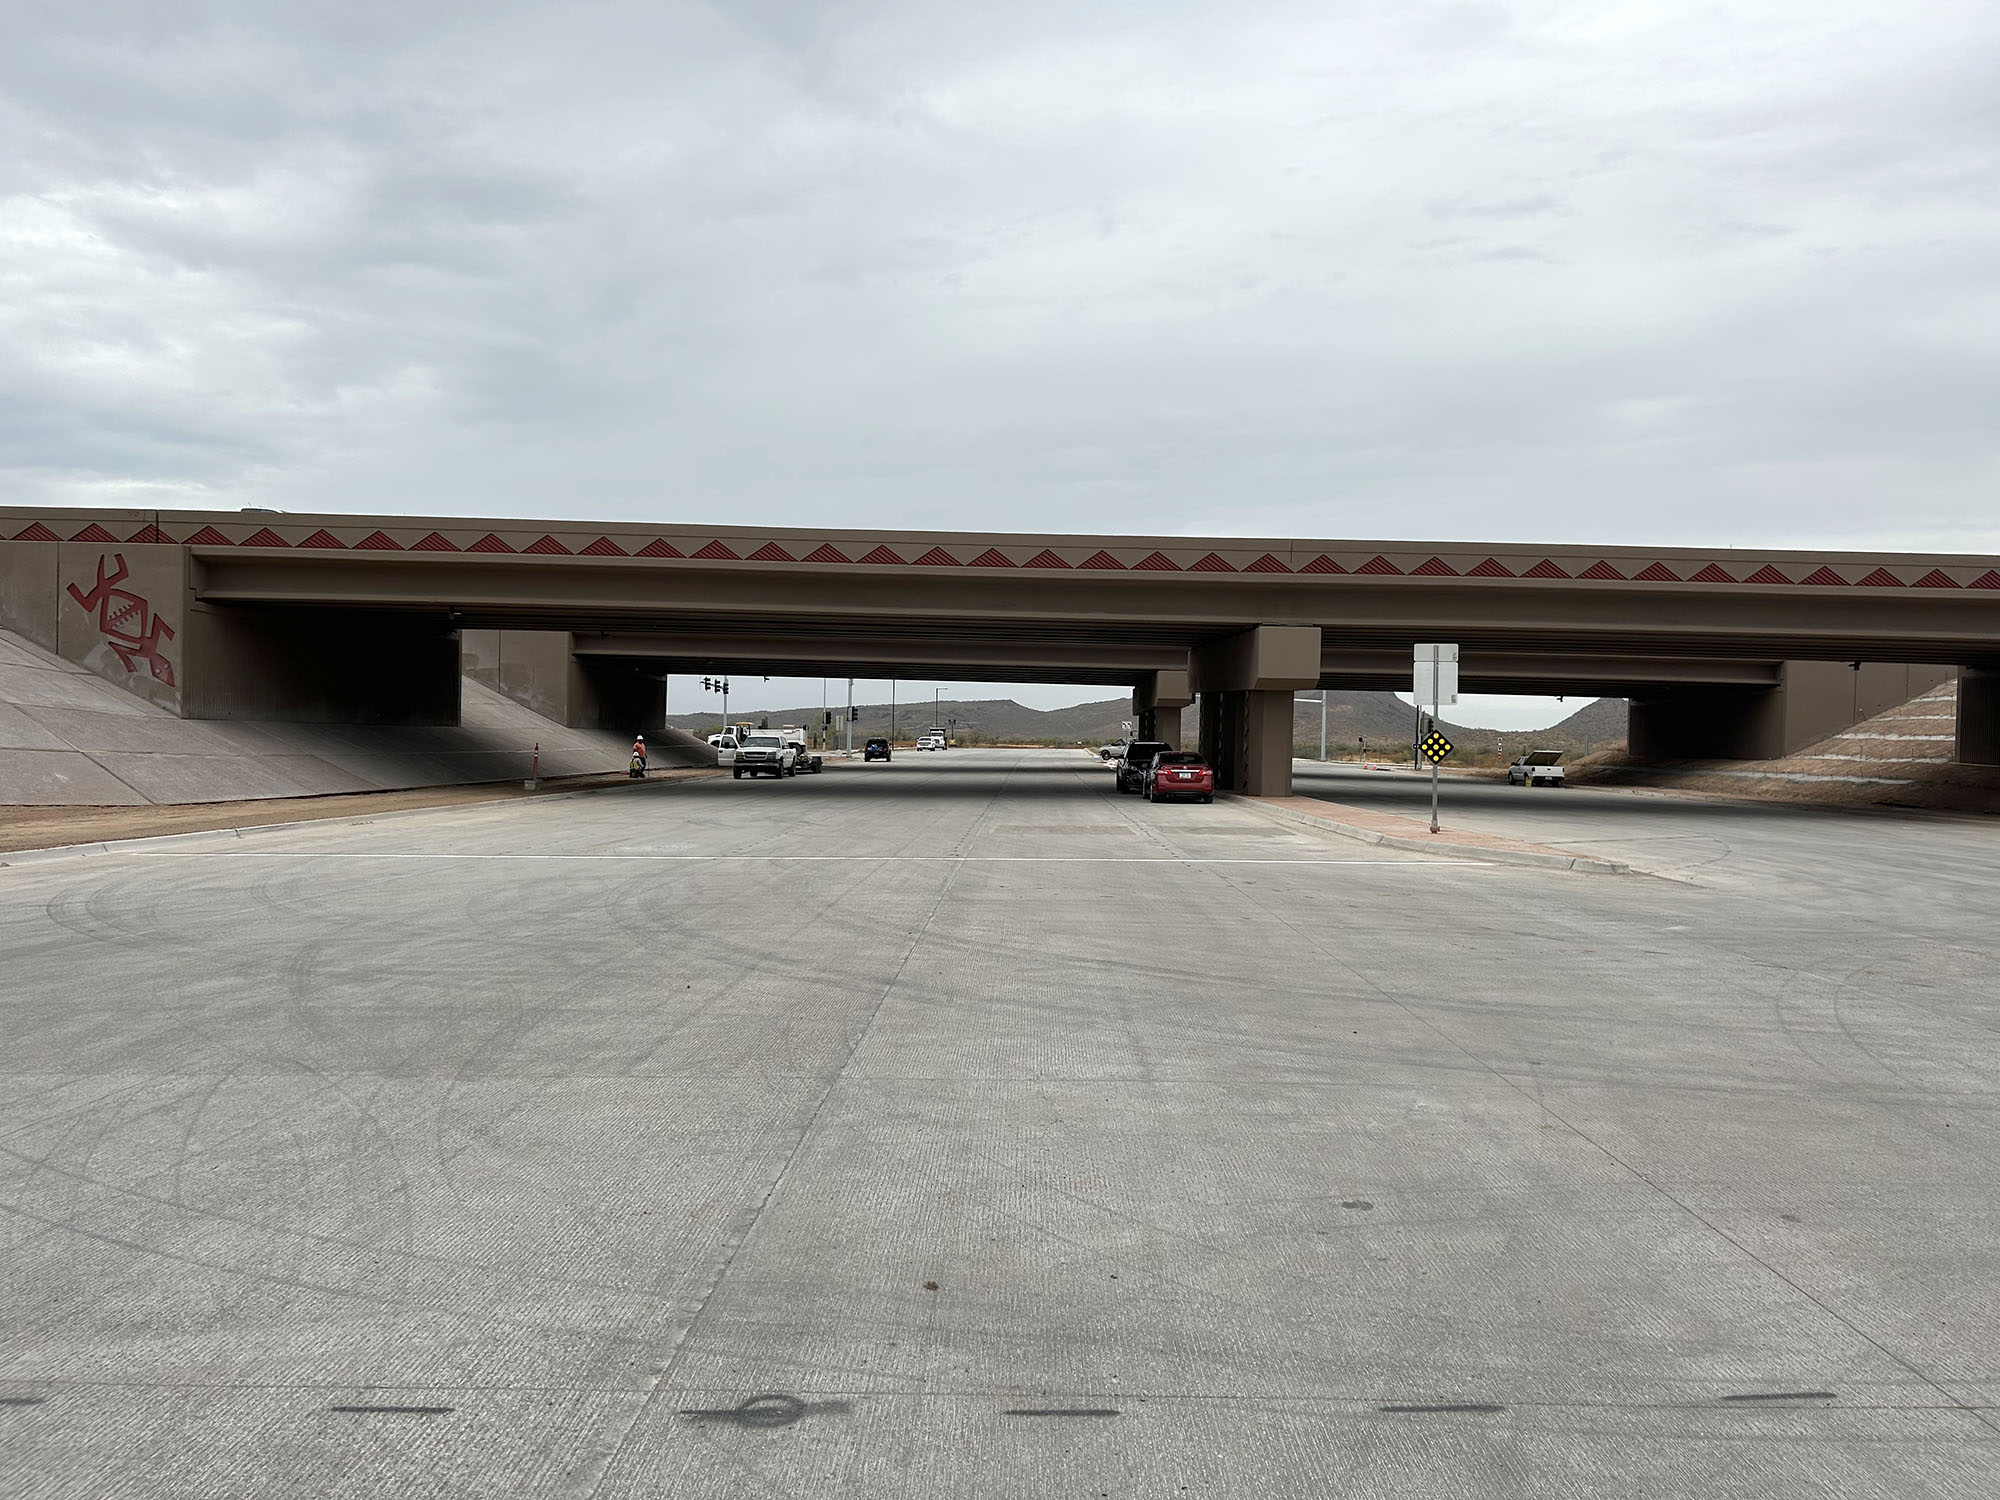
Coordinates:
(930, 741)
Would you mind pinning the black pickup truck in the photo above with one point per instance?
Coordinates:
(1136, 761)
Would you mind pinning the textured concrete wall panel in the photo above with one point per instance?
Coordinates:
(29, 592)
(121, 612)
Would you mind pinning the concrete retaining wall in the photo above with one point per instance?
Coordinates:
(68, 737)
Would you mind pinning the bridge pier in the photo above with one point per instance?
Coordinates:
(1245, 684)
(1978, 716)
(1156, 706)
(1811, 700)
(539, 670)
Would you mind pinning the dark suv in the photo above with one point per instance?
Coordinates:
(876, 749)
(1136, 762)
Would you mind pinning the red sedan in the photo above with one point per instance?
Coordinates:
(1179, 773)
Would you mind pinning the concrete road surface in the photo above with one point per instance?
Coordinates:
(956, 1127)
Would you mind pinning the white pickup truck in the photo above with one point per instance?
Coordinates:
(1536, 768)
(765, 753)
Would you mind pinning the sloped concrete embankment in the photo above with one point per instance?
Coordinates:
(1899, 758)
(68, 738)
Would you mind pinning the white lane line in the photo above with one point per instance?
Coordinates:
(1417, 863)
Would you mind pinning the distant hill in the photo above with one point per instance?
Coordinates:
(1377, 723)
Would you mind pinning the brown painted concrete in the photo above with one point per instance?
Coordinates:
(1978, 739)
(1810, 700)
(223, 614)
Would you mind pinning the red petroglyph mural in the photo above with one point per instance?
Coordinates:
(130, 627)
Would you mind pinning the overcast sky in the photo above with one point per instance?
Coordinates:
(1544, 271)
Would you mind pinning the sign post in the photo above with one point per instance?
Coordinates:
(1435, 679)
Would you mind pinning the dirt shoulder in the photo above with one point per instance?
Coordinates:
(49, 827)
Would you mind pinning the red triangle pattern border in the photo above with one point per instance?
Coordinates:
(547, 545)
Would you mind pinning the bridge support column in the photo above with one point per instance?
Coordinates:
(1156, 706)
(1811, 700)
(1246, 683)
(539, 670)
(1978, 716)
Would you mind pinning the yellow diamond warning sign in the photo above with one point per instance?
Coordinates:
(1435, 747)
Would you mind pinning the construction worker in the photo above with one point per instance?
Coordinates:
(638, 767)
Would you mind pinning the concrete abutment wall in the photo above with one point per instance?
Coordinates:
(318, 667)
(1812, 699)
(539, 670)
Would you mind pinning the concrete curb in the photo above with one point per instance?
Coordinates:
(1581, 864)
(12, 858)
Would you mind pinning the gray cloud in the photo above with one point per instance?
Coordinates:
(1562, 271)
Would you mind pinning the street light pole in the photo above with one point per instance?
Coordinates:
(1322, 725)
(850, 716)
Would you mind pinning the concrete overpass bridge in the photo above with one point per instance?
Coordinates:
(1723, 653)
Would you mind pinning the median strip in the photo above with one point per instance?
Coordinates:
(1392, 832)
